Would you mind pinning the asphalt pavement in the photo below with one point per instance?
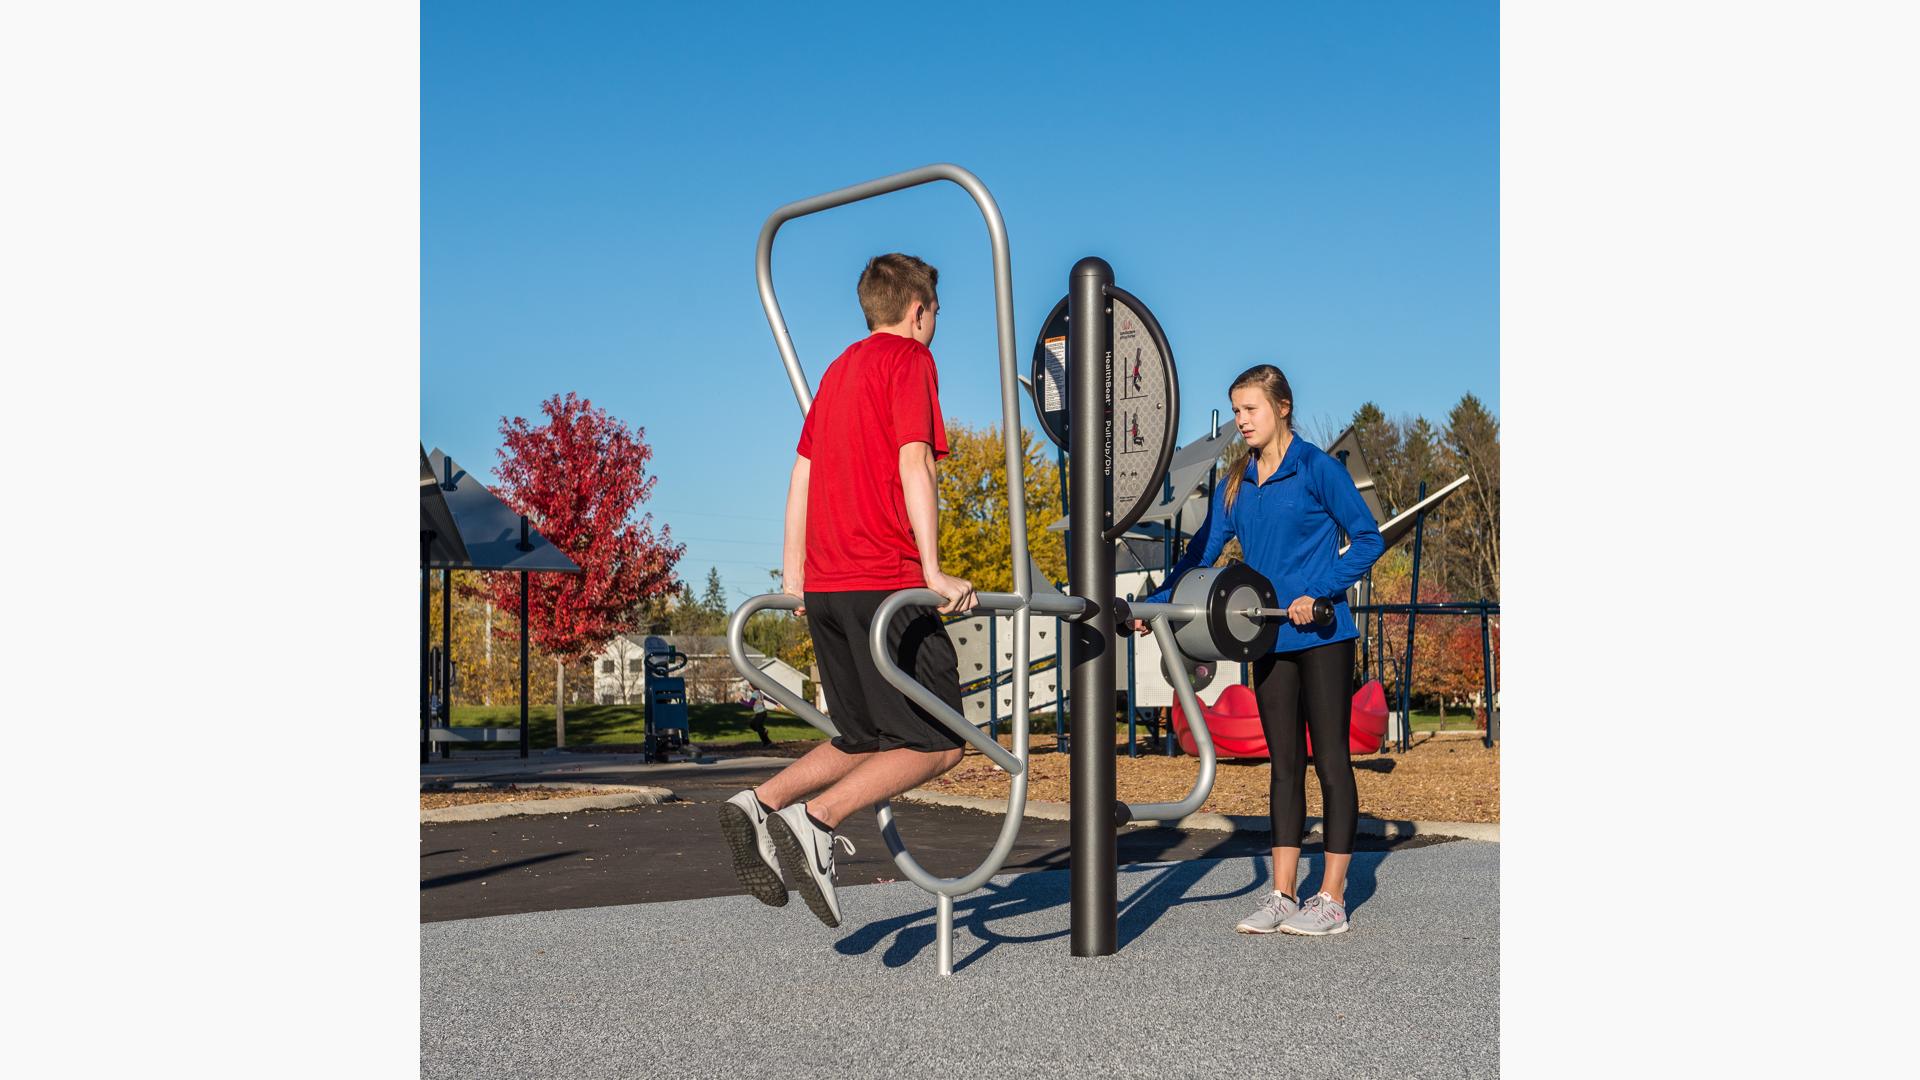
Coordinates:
(672, 851)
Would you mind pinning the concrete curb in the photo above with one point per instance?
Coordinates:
(1390, 829)
(628, 795)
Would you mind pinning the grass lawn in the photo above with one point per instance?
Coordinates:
(728, 723)
(604, 724)
(1457, 720)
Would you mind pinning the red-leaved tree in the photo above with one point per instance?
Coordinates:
(578, 478)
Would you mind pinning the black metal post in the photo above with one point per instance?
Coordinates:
(1059, 682)
(1062, 735)
(1486, 673)
(446, 655)
(523, 664)
(426, 636)
(1380, 648)
(1413, 599)
(1095, 865)
(1173, 527)
(1066, 500)
(993, 676)
(1366, 628)
(1133, 750)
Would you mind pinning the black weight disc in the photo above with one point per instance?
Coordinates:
(1222, 626)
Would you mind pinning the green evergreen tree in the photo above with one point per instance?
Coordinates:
(1471, 445)
(714, 598)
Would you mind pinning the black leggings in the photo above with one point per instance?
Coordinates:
(1319, 683)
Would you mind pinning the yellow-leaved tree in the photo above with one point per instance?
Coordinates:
(976, 535)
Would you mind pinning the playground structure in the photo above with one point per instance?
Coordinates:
(1214, 614)
(1234, 722)
(463, 526)
(982, 641)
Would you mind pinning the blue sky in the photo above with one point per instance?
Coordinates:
(1312, 185)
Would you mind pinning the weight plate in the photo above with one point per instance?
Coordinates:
(1219, 634)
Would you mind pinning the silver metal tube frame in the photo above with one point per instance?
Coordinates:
(1196, 722)
(737, 652)
(1017, 507)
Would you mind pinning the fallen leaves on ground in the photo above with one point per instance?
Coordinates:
(1443, 778)
(436, 800)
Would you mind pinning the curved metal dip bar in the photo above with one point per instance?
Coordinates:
(1070, 606)
(1017, 520)
(737, 652)
(1196, 722)
(946, 888)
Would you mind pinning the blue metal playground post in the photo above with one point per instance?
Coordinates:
(1413, 602)
(1486, 674)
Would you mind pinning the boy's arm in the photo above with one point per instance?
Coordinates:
(923, 514)
(793, 549)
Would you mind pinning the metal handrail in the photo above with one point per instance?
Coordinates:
(1015, 763)
(926, 699)
(1002, 313)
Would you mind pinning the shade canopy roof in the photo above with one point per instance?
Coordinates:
(1402, 524)
(436, 521)
(485, 533)
(1346, 450)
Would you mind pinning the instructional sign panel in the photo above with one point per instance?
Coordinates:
(1143, 391)
(1143, 424)
(1050, 375)
(1054, 375)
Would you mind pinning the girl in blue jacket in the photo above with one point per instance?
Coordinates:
(1289, 507)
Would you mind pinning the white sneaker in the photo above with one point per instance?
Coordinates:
(806, 858)
(1318, 917)
(1275, 908)
(744, 823)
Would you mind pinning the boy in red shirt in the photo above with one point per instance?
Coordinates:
(862, 522)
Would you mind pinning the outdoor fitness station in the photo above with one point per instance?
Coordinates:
(1117, 425)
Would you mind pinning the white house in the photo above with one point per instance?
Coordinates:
(620, 672)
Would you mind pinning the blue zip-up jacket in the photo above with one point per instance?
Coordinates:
(1290, 529)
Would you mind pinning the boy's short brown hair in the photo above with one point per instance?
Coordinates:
(891, 283)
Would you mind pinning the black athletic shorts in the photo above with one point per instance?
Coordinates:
(871, 714)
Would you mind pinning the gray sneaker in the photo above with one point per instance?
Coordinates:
(744, 823)
(1273, 911)
(1319, 916)
(806, 858)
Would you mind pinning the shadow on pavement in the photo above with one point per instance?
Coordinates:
(1160, 889)
(468, 875)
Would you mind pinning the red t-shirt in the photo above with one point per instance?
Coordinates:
(881, 394)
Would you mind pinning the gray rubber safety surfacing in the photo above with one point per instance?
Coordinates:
(727, 986)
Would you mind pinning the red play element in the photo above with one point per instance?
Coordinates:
(1234, 722)
(1369, 720)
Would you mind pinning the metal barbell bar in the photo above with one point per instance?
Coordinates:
(1224, 613)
